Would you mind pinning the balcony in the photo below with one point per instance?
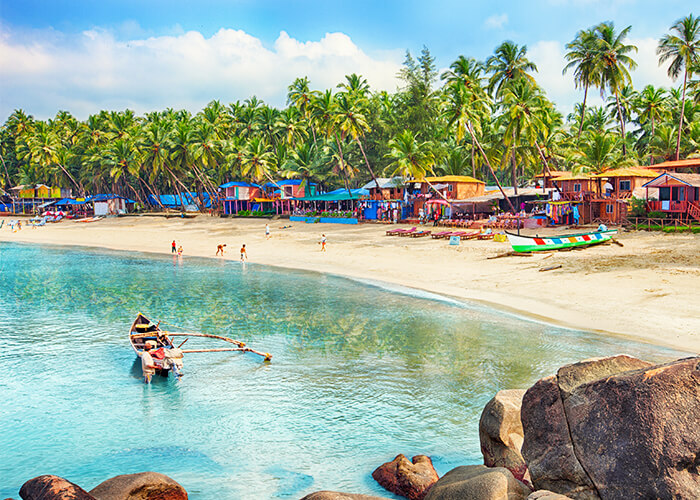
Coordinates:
(667, 206)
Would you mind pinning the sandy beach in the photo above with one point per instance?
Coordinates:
(646, 290)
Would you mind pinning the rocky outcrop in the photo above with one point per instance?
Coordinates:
(478, 482)
(52, 488)
(615, 428)
(336, 495)
(501, 433)
(546, 495)
(141, 486)
(410, 479)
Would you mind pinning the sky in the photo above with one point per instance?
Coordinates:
(83, 56)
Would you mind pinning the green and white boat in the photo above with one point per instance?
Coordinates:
(522, 243)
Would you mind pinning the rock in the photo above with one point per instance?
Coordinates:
(546, 495)
(408, 479)
(52, 488)
(616, 428)
(501, 433)
(478, 482)
(141, 486)
(336, 495)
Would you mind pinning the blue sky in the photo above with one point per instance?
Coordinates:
(83, 56)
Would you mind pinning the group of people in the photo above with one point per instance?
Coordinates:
(175, 249)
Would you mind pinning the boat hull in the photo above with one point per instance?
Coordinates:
(522, 243)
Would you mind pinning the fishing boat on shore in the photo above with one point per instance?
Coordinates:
(166, 356)
(523, 243)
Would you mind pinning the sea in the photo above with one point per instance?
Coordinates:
(360, 373)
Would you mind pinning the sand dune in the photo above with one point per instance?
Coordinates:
(648, 290)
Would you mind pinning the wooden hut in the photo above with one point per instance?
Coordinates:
(613, 191)
(678, 194)
(239, 196)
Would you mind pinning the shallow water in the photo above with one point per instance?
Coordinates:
(359, 374)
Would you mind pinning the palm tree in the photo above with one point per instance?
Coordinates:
(410, 158)
(599, 152)
(257, 159)
(614, 65)
(683, 48)
(582, 58)
(651, 106)
(508, 63)
(44, 151)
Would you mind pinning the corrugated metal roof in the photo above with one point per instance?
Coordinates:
(627, 172)
(451, 178)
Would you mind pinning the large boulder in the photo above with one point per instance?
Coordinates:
(337, 495)
(501, 433)
(141, 486)
(478, 482)
(616, 428)
(546, 495)
(52, 488)
(410, 479)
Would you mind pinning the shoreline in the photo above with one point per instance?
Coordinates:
(642, 298)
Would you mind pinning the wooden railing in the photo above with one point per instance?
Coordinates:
(673, 206)
(694, 210)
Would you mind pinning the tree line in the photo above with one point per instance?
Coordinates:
(487, 119)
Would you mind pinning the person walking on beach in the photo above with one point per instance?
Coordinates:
(174, 248)
(148, 367)
(323, 242)
(267, 231)
(220, 249)
(244, 254)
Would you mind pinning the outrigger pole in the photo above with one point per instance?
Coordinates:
(265, 355)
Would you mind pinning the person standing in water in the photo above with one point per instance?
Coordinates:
(148, 367)
(244, 254)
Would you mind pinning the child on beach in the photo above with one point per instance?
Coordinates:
(267, 231)
(179, 251)
(244, 254)
(323, 242)
(220, 249)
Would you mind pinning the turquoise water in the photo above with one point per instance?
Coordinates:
(359, 374)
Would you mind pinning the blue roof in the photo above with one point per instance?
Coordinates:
(173, 200)
(69, 201)
(106, 197)
(238, 184)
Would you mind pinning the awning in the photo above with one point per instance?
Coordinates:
(437, 202)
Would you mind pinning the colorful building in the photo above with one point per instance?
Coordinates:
(678, 194)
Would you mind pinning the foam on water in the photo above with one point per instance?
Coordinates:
(359, 374)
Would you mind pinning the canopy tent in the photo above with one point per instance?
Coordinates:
(337, 195)
(173, 200)
(69, 201)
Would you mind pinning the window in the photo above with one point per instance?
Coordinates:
(625, 185)
(449, 187)
(577, 187)
(608, 208)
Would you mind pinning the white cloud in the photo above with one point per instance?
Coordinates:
(550, 61)
(496, 21)
(95, 70)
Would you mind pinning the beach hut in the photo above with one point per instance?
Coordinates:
(690, 165)
(446, 189)
(239, 196)
(677, 194)
(612, 192)
(109, 204)
(550, 177)
(575, 187)
(384, 198)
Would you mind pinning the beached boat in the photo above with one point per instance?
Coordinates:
(165, 355)
(522, 243)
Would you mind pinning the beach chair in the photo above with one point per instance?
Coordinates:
(419, 234)
(394, 232)
(407, 232)
(468, 235)
(441, 234)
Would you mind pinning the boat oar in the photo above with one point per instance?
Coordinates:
(265, 355)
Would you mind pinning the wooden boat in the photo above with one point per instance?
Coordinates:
(522, 243)
(165, 355)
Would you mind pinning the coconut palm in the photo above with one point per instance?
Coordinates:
(508, 63)
(651, 106)
(582, 59)
(615, 65)
(682, 47)
(409, 157)
(257, 159)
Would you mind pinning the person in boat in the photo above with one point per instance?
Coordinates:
(148, 367)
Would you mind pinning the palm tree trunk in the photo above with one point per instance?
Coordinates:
(488, 163)
(545, 167)
(77, 184)
(622, 124)
(680, 122)
(473, 160)
(7, 174)
(651, 139)
(342, 164)
(155, 195)
(371, 172)
(514, 179)
(583, 112)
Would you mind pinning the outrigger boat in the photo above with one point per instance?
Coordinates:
(166, 356)
(522, 243)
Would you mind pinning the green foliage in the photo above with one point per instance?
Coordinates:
(657, 215)
(637, 208)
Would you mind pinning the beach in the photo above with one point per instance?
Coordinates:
(646, 290)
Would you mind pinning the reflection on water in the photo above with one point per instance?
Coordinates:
(359, 374)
